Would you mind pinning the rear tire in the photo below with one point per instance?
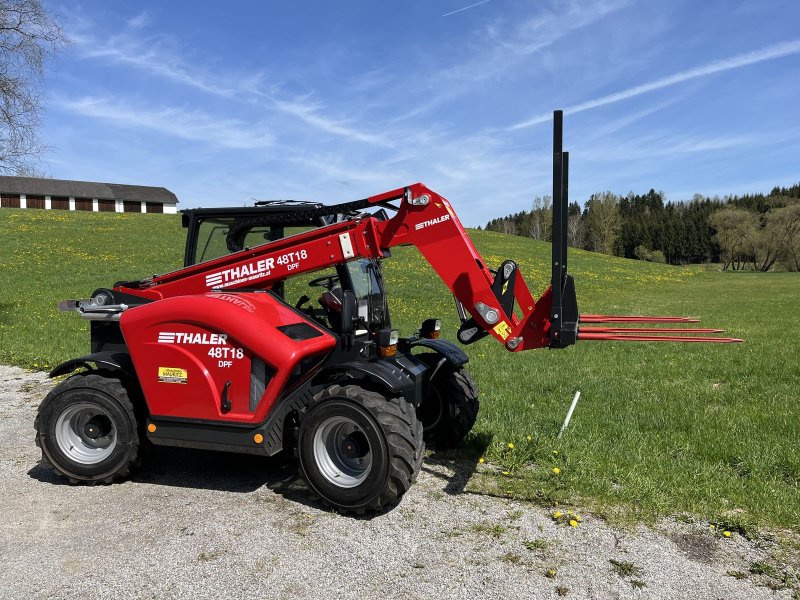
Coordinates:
(87, 429)
(450, 409)
(359, 450)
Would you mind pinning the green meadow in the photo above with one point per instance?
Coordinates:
(661, 429)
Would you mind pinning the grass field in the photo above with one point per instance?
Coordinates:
(710, 430)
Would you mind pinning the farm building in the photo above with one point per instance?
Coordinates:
(62, 194)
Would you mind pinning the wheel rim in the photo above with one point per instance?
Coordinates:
(86, 433)
(342, 452)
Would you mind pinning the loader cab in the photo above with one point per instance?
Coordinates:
(215, 232)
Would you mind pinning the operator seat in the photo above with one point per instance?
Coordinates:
(331, 302)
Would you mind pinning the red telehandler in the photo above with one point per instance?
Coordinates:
(228, 353)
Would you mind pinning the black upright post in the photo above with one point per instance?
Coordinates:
(564, 215)
(558, 225)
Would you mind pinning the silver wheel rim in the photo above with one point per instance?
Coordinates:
(342, 452)
(86, 433)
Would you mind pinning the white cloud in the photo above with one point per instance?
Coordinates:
(146, 55)
(452, 12)
(150, 55)
(139, 21)
(504, 46)
(186, 124)
(311, 115)
(718, 66)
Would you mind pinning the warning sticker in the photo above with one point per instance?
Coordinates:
(172, 375)
(503, 329)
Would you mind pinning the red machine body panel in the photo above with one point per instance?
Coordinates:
(186, 350)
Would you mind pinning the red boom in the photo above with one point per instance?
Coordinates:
(426, 220)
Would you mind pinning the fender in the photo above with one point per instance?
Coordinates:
(115, 361)
(385, 373)
(454, 355)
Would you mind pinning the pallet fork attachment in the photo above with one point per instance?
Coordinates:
(565, 320)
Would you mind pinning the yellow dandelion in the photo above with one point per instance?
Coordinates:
(558, 514)
(510, 446)
(506, 473)
(573, 523)
(481, 460)
(556, 470)
(726, 534)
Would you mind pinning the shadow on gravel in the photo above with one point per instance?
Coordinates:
(462, 463)
(220, 471)
(243, 473)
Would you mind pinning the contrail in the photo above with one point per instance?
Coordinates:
(466, 8)
(717, 66)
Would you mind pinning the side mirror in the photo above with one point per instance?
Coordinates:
(349, 312)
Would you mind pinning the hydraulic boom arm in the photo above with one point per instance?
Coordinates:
(426, 220)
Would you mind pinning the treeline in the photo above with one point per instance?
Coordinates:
(753, 231)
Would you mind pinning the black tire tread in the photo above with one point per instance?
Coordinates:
(463, 405)
(111, 386)
(403, 431)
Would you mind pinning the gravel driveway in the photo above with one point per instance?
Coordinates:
(207, 525)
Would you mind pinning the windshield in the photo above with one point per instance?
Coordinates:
(319, 294)
(213, 233)
(367, 281)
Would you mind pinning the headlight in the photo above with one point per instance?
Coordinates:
(387, 342)
(431, 328)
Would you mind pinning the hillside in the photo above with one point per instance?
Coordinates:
(660, 429)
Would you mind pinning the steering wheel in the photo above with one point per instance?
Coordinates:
(326, 281)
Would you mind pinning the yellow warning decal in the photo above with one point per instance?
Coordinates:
(503, 329)
(172, 375)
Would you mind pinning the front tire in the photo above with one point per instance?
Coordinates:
(359, 451)
(450, 409)
(87, 429)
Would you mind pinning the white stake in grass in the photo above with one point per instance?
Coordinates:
(569, 414)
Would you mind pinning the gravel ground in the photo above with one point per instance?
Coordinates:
(211, 525)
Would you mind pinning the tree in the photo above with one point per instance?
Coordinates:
(574, 225)
(603, 221)
(644, 253)
(29, 38)
(785, 225)
(736, 233)
(541, 218)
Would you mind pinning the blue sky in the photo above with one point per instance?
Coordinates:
(334, 101)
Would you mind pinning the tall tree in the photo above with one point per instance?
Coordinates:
(784, 225)
(540, 222)
(575, 226)
(603, 222)
(736, 233)
(29, 38)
